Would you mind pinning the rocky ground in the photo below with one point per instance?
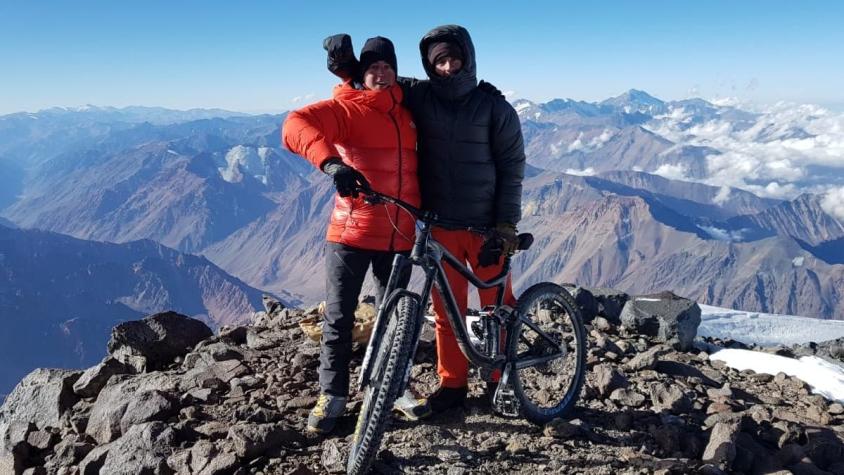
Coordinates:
(173, 398)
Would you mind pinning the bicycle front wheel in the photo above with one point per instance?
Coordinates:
(388, 372)
(548, 352)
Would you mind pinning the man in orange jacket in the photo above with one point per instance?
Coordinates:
(361, 137)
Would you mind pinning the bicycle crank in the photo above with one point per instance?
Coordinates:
(504, 401)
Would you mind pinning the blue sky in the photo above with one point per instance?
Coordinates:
(262, 56)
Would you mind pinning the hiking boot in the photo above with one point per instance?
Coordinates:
(324, 415)
(443, 399)
(410, 407)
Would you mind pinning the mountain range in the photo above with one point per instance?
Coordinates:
(636, 175)
(60, 296)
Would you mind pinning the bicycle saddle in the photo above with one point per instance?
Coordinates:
(525, 241)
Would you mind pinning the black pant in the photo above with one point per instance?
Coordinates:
(346, 269)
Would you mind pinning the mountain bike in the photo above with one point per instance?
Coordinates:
(538, 347)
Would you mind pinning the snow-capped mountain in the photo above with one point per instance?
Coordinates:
(635, 173)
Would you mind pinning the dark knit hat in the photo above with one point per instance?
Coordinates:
(442, 49)
(377, 49)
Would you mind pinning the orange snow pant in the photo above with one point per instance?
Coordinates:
(452, 366)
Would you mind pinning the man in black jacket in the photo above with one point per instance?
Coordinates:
(471, 167)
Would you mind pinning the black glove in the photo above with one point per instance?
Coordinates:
(502, 240)
(341, 56)
(347, 180)
(509, 237)
(489, 89)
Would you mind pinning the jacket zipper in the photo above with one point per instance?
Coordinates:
(398, 136)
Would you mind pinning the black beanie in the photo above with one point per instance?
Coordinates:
(378, 49)
(442, 49)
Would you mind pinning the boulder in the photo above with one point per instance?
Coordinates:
(157, 340)
(646, 360)
(148, 406)
(42, 397)
(14, 449)
(94, 379)
(607, 379)
(610, 303)
(143, 449)
(666, 316)
(204, 458)
(104, 424)
(669, 398)
(627, 397)
(252, 440)
(721, 449)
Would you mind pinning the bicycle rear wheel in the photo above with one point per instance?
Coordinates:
(548, 351)
(385, 384)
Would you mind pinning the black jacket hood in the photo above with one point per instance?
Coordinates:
(462, 83)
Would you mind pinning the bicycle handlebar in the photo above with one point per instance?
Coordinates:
(373, 197)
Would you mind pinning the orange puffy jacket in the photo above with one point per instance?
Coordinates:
(374, 134)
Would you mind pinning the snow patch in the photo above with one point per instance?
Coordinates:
(824, 377)
(766, 329)
(797, 261)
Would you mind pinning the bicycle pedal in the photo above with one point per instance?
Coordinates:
(505, 401)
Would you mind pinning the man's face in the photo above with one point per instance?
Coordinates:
(379, 75)
(447, 66)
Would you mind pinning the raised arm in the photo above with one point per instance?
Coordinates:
(341, 56)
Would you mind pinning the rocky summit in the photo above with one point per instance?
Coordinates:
(171, 397)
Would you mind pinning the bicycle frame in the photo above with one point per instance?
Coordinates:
(428, 254)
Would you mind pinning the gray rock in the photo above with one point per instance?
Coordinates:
(646, 360)
(627, 397)
(217, 373)
(666, 316)
(157, 339)
(721, 449)
(608, 379)
(332, 459)
(104, 424)
(42, 397)
(252, 440)
(143, 449)
(667, 436)
(42, 439)
(204, 458)
(14, 449)
(148, 406)
(669, 398)
(610, 303)
(94, 379)
(68, 452)
(561, 429)
(258, 340)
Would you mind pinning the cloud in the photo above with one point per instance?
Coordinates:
(306, 97)
(775, 150)
(673, 172)
(722, 196)
(577, 144)
(585, 172)
(833, 203)
(724, 234)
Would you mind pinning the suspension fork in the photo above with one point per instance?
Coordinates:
(391, 294)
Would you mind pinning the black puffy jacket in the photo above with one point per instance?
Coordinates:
(470, 147)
